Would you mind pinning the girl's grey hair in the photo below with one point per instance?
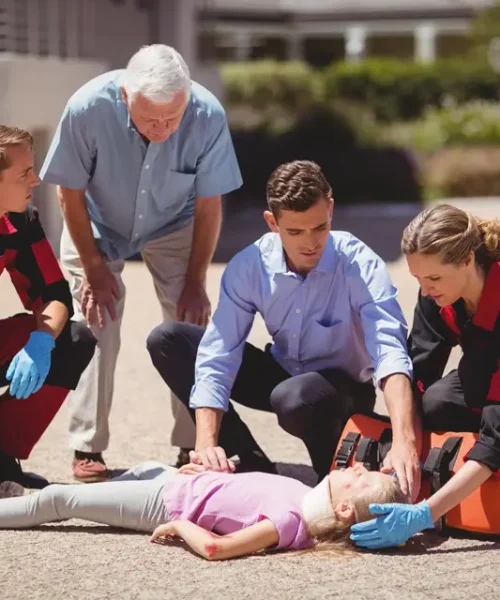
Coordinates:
(157, 72)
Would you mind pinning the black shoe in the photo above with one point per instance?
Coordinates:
(183, 457)
(10, 470)
(255, 461)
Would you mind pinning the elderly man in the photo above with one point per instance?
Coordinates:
(141, 158)
(331, 309)
(42, 352)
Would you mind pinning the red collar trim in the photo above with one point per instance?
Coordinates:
(489, 304)
(449, 316)
(6, 226)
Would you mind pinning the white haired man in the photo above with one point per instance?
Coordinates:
(141, 158)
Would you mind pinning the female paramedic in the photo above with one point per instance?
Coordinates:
(42, 352)
(455, 258)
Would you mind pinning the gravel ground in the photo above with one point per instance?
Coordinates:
(81, 560)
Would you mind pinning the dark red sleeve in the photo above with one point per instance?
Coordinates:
(429, 345)
(34, 269)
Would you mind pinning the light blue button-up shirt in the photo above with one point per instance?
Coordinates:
(137, 192)
(343, 315)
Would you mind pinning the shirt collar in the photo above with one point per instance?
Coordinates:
(277, 262)
(276, 257)
(327, 261)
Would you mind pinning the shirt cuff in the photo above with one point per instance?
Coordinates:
(209, 395)
(391, 365)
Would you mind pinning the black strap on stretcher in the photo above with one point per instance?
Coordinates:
(439, 466)
(367, 453)
(346, 450)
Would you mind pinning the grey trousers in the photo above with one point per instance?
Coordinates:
(89, 406)
(132, 501)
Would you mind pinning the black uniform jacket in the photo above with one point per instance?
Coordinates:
(436, 330)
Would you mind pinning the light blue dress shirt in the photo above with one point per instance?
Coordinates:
(343, 315)
(137, 192)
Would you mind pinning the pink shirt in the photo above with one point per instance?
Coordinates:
(225, 503)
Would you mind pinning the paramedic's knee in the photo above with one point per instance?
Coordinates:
(435, 407)
(289, 401)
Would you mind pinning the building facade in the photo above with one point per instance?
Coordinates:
(321, 31)
(49, 48)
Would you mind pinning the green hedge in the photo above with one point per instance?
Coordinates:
(471, 124)
(292, 85)
(398, 90)
(394, 90)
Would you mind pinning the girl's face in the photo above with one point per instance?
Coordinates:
(445, 284)
(346, 483)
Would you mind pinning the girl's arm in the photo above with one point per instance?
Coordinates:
(472, 475)
(219, 547)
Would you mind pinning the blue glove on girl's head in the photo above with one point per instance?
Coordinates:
(396, 524)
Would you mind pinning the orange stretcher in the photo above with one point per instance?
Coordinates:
(367, 440)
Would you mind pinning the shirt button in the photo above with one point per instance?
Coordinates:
(136, 235)
(297, 369)
(143, 191)
(294, 335)
(146, 167)
(297, 310)
(140, 216)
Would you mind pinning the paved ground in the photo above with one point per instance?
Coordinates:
(80, 560)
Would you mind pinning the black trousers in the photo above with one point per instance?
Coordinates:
(444, 409)
(23, 422)
(312, 406)
(73, 350)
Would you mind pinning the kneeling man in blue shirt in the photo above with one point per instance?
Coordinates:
(330, 306)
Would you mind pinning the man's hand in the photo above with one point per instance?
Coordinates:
(403, 459)
(212, 458)
(100, 290)
(191, 469)
(194, 305)
(30, 366)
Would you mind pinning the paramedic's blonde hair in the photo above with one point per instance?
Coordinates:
(452, 234)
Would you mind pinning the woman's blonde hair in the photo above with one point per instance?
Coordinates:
(452, 234)
(334, 535)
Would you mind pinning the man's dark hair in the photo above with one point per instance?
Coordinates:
(296, 186)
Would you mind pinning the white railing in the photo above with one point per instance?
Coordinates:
(300, 6)
(61, 28)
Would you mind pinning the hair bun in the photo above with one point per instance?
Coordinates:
(490, 233)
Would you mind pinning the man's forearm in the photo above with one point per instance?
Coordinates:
(52, 318)
(208, 422)
(398, 397)
(207, 224)
(78, 222)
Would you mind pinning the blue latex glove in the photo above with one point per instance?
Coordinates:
(396, 524)
(31, 365)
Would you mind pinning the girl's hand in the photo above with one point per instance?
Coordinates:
(163, 533)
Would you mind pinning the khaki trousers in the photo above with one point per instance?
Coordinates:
(90, 404)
